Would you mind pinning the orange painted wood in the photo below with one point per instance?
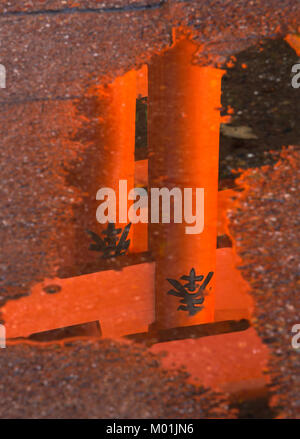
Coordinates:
(123, 302)
(184, 119)
(142, 82)
(116, 141)
(232, 299)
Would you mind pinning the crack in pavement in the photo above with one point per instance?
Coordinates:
(76, 10)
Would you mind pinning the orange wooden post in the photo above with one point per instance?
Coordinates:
(184, 120)
(118, 139)
(111, 160)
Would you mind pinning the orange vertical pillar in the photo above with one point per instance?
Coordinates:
(115, 158)
(109, 159)
(118, 138)
(184, 120)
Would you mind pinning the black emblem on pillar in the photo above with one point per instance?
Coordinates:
(112, 245)
(191, 301)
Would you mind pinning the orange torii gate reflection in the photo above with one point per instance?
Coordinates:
(183, 142)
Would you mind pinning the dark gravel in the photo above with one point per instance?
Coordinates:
(258, 88)
(104, 379)
(265, 228)
(58, 49)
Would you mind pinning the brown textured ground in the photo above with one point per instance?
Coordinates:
(57, 49)
(266, 233)
(53, 54)
(104, 379)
